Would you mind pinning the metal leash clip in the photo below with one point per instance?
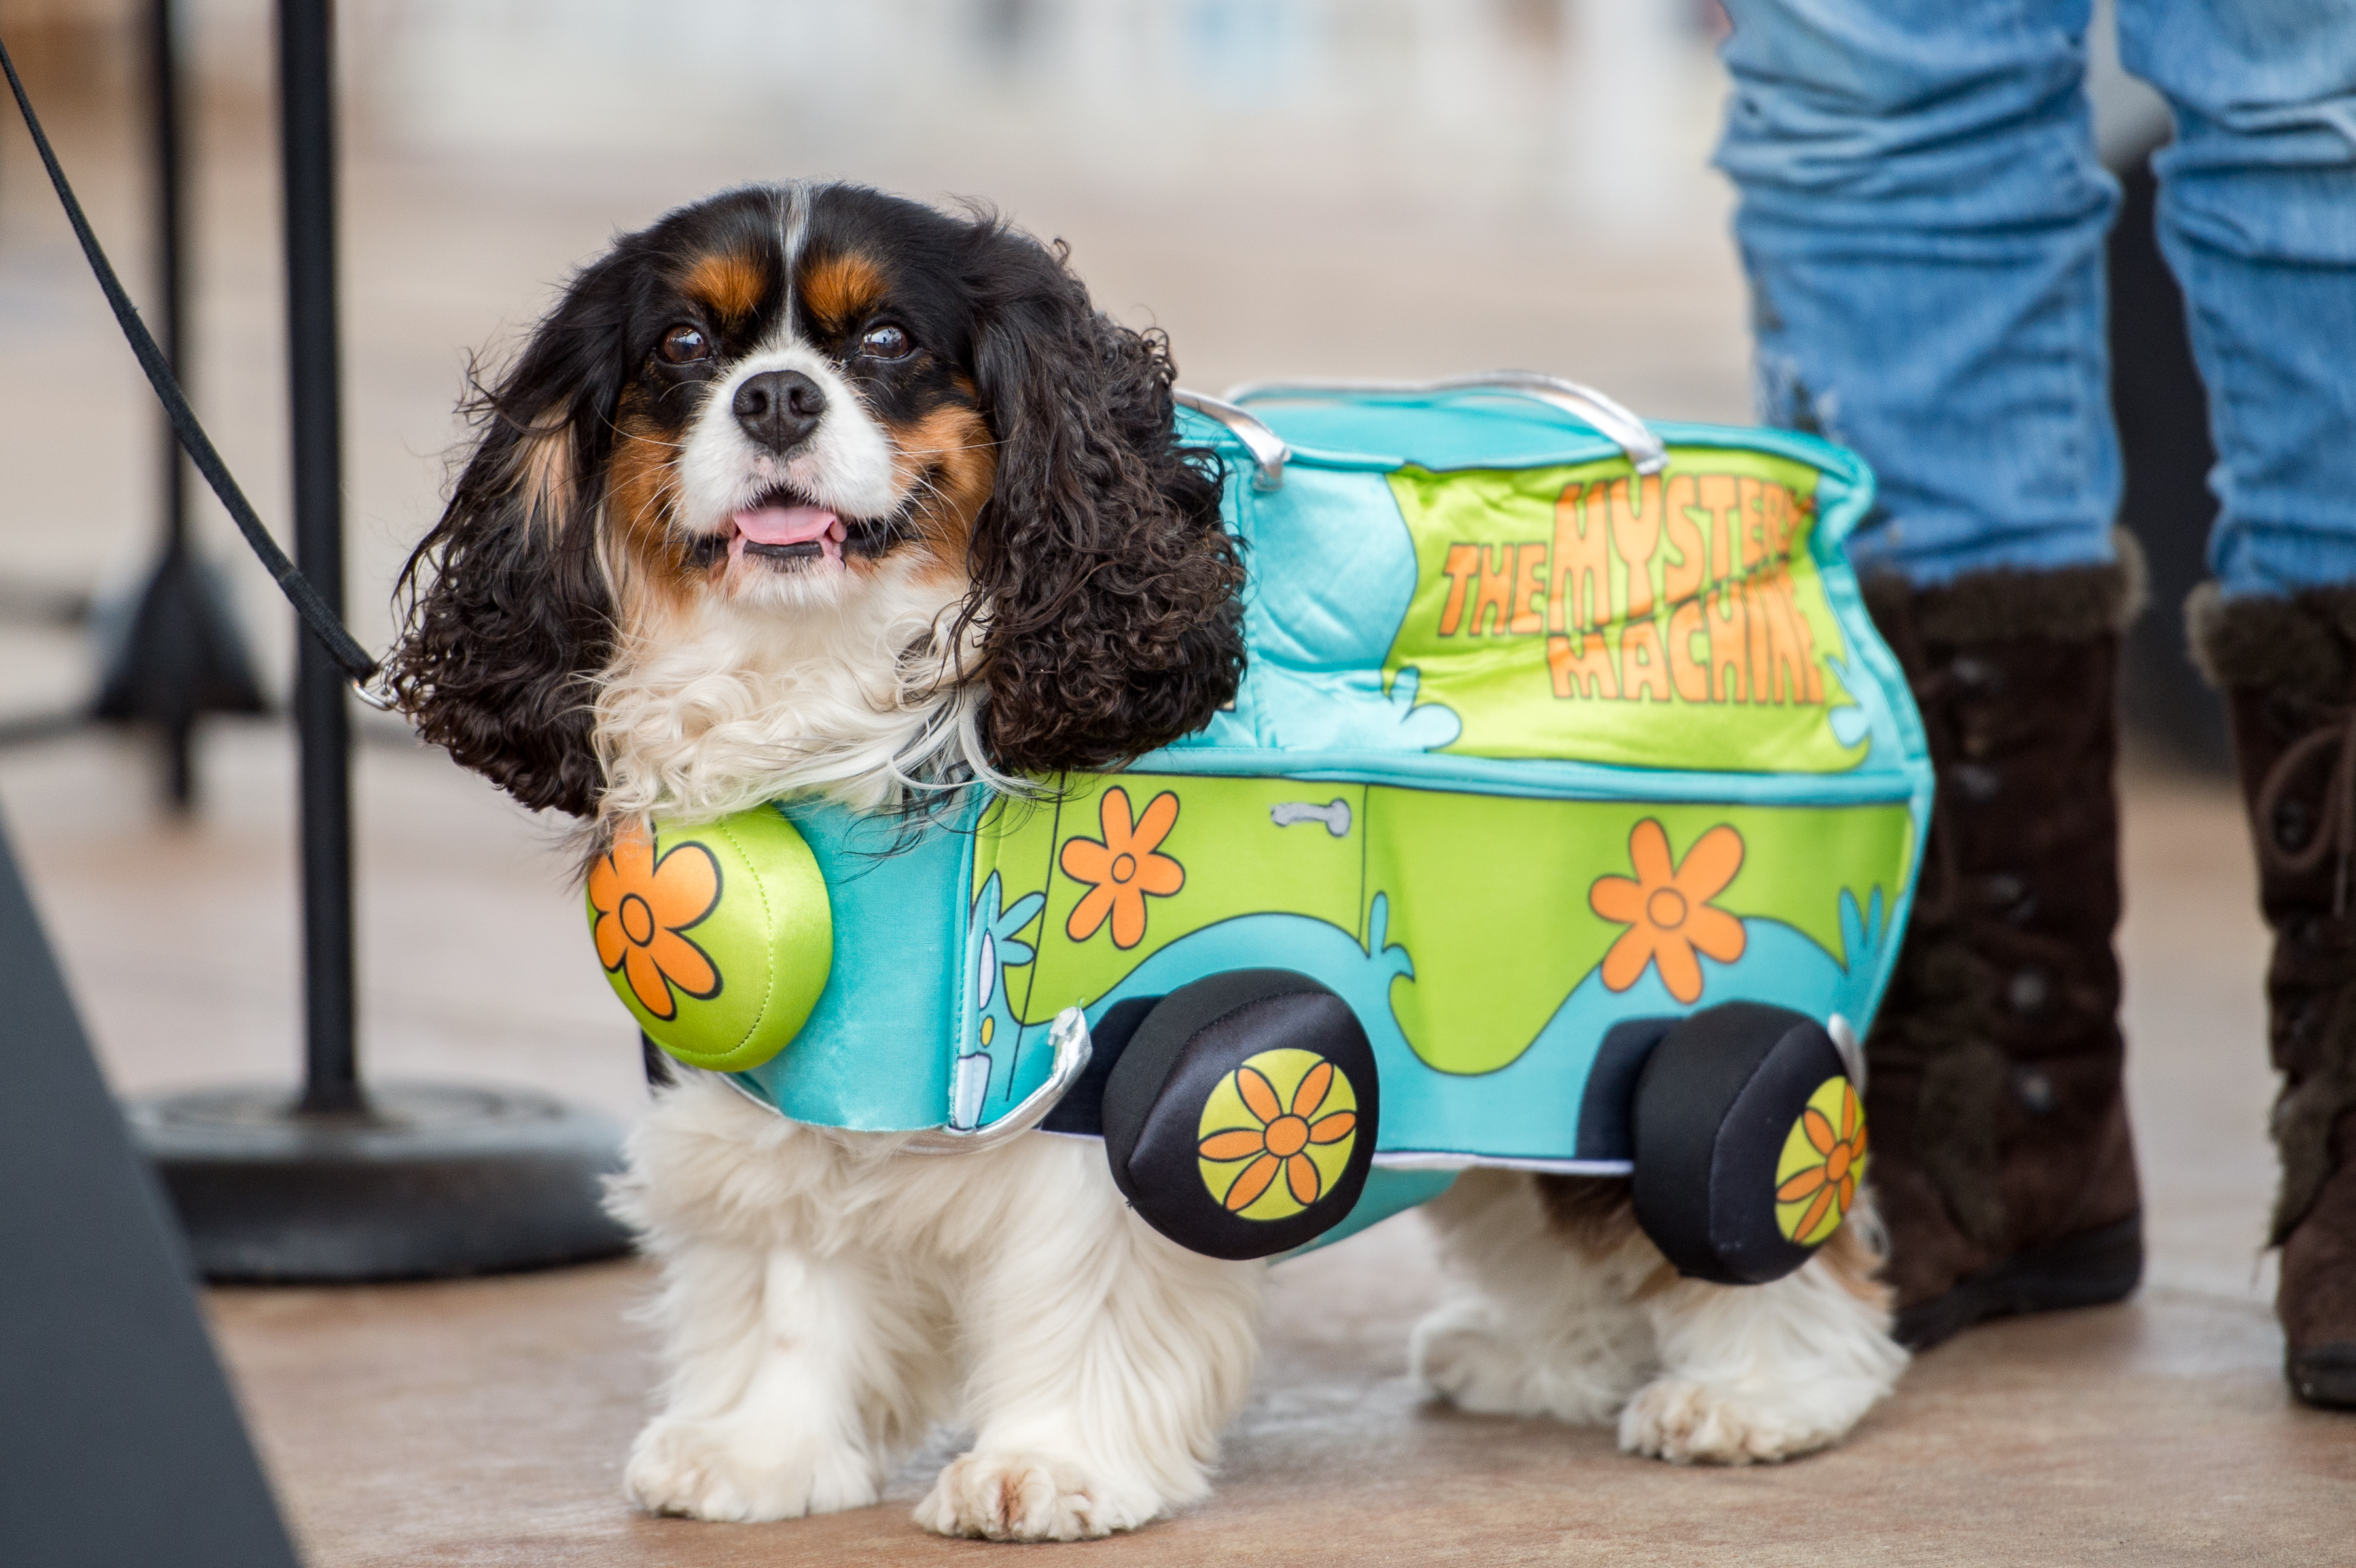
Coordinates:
(377, 693)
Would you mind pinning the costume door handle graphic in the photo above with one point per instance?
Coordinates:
(1335, 814)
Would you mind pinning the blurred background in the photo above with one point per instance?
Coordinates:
(1353, 187)
(1374, 186)
(1390, 188)
(1342, 187)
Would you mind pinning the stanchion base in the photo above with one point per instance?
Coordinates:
(434, 1180)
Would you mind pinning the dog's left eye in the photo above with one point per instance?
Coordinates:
(886, 342)
(684, 345)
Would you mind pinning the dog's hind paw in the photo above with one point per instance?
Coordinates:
(1690, 1422)
(1461, 1352)
(1467, 1354)
(724, 1470)
(1018, 1496)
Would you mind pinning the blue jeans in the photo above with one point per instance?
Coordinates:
(1923, 219)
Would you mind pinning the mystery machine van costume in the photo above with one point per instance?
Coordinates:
(1565, 820)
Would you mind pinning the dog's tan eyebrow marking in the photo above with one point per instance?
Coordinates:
(840, 288)
(727, 283)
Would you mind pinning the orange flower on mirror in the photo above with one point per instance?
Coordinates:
(1281, 1140)
(1667, 911)
(1122, 870)
(1834, 1182)
(642, 907)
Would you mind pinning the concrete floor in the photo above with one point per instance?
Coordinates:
(1401, 213)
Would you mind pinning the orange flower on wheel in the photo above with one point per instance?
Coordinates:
(1123, 869)
(1825, 1169)
(1667, 910)
(1280, 1141)
(642, 907)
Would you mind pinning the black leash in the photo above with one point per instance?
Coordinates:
(340, 643)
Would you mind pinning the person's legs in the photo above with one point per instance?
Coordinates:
(2258, 220)
(2257, 217)
(1923, 219)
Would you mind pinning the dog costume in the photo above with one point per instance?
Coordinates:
(1565, 819)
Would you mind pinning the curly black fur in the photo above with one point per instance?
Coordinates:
(1107, 590)
(508, 619)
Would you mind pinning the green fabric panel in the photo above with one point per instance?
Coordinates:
(767, 938)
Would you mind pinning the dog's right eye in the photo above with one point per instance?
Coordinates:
(683, 345)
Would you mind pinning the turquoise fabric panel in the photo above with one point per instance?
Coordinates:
(1332, 570)
(876, 1053)
(1330, 585)
(1230, 725)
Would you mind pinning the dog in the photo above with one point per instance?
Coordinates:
(812, 490)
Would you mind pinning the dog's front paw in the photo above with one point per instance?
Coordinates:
(1690, 1422)
(1021, 1497)
(729, 1470)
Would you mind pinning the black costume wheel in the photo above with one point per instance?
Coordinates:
(1241, 1120)
(1750, 1142)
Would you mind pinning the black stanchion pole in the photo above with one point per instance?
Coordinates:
(403, 1180)
(171, 237)
(323, 720)
(178, 653)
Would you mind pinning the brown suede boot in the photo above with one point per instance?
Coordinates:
(2288, 670)
(2001, 1155)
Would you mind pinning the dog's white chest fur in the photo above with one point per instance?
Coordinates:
(715, 709)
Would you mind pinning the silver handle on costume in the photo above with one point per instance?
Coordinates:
(1069, 1035)
(1626, 431)
(1268, 452)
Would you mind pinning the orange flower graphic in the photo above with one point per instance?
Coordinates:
(1280, 1141)
(1123, 869)
(642, 907)
(1832, 1176)
(1667, 911)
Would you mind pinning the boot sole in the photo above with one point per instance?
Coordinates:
(2093, 1269)
(2324, 1377)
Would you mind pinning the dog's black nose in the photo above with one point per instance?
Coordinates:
(779, 408)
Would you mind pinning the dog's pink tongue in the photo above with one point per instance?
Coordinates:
(789, 525)
(784, 524)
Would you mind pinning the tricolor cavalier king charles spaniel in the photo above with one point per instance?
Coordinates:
(811, 488)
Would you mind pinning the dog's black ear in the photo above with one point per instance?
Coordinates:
(507, 614)
(1108, 591)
